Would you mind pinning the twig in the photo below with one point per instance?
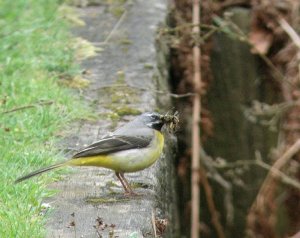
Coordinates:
(263, 109)
(195, 216)
(264, 194)
(286, 156)
(121, 19)
(208, 163)
(211, 205)
(297, 235)
(183, 95)
(153, 223)
(290, 31)
(293, 35)
(28, 106)
(285, 179)
(240, 35)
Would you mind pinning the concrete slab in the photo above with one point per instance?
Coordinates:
(90, 202)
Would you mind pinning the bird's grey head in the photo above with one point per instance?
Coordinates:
(153, 120)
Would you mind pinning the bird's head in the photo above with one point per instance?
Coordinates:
(156, 121)
(153, 120)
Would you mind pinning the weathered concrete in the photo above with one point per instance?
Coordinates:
(89, 195)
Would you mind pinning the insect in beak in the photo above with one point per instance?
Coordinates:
(171, 121)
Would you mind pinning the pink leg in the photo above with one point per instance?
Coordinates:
(125, 184)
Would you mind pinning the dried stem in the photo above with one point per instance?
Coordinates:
(208, 163)
(290, 31)
(285, 179)
(211, 205)
(42, 103)
(265, 191)
(153, 224)
(195, 216)
(240, 35)
(294, 37)
(112, 32)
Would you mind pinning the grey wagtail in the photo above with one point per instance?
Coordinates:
(133, 147)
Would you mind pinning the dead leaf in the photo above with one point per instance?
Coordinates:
(261, 41)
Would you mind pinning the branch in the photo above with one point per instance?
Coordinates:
(195, 216)
(211, 205)
(263, 195)
(290, 31)
(241, 36)
(285, 179)
(208, 163)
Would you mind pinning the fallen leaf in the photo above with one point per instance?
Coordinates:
(261, 40)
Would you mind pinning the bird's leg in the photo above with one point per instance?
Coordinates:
(118, 174)
(125, 184)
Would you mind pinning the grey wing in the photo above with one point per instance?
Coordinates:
(112, 144)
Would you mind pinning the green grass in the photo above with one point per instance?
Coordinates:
(34, 51)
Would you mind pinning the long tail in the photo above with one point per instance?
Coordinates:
(40, 171)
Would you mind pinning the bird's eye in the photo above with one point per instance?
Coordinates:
(153, 116)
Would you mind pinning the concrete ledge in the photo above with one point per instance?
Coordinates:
(124, 78)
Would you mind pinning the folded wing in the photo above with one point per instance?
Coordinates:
(112, 144)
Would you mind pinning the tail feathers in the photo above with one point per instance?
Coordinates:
(40, 171)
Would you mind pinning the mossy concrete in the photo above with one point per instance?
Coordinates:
(90, 201)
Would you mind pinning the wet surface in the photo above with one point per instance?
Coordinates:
(91, 201)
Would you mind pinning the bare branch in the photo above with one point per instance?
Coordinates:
(195, 216)
(267, 189)
(211, 205)
(290, 31)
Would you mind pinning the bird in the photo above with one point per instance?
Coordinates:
(131, 148)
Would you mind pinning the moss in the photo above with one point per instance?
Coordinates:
(119, 111)
(116, 7)
(107, 199)
(125, 110)
(134, 185)
(74, 82)
(120, 77)
(125, 41)
(121, 96)
(112, 116)
(148, 66)
(117, 11)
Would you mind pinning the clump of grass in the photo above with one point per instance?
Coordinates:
(34, 52)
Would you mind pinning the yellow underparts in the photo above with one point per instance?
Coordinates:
(128, 160)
